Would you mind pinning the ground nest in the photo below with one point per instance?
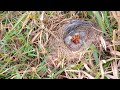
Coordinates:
(61, 46)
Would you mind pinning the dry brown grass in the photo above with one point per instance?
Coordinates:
(46, 31)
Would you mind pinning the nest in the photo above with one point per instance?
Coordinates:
(59, 50)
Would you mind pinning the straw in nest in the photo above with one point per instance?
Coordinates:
(59, 50)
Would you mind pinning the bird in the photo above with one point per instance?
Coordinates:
(75, 39)
(74, 36)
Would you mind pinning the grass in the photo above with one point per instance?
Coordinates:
(24, 54)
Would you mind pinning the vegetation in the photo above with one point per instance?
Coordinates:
(24, 54)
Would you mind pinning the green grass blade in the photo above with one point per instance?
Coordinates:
(95, 53)
(107, 22)
(99, 20)
(11, 32)
(20, 19)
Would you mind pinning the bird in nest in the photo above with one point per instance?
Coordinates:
(74, 38)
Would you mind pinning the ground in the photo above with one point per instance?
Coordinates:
(26, 38)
